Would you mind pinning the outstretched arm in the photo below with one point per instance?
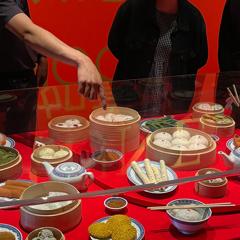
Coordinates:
(44, 42)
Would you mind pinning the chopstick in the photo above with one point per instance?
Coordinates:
(233, 98)
(236, 93)
(190, 206)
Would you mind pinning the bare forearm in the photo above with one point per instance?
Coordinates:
(43, 41)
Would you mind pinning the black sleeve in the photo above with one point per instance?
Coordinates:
(118, 30)
(8, 9)
(203, 44)
(224, 41)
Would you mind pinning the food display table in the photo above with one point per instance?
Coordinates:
(156, 223)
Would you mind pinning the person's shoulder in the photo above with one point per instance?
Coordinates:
(191, 9)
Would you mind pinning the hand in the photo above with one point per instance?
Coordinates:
(42, 71)
(90, 81)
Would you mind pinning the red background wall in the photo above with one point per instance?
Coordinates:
(85, 24)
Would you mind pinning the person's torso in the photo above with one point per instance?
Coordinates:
(15, 55)
(141, 41)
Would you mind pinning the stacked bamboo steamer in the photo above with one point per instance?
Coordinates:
(182, 159)
(123, 136)
(220, 129)
(198, 109)
(64, 218)
(68, 135)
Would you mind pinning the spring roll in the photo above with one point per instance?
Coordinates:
(10, 193)
(157, 174)
(163, 170)
(149, 171)
(24, 184)
(140, 173)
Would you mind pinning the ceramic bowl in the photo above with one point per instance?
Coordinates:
(11, 229)
(56, 232)
(189, 226)
(111, 204)
(211, 189)
(100, 161)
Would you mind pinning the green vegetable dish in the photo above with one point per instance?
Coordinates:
(158, 123)
(6, 156)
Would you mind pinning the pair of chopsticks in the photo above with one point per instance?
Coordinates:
(235, 98)
(191, 206)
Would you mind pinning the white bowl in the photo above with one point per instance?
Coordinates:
(189, 226)
(115, 209)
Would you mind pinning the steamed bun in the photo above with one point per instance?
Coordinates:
(162, 143)
(196, 146)
(198, 139)
(179, 147)
(180, 141)
(163, 136)
(46, 152)
(60, 153)
(181, 134)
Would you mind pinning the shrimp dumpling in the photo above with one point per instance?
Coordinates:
(162, 143)
(180, 141)
(163, 136)
(198, 139)
(181, 134)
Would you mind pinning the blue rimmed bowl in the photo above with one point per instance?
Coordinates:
(9, 228)
(188, 224)
(115, 209)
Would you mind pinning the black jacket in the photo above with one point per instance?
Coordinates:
(229, 37)
(134, 36)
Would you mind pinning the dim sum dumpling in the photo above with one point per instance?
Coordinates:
(162, 143)
(196, 146)
(163, 136)
(179, 147)
(109, 117)
(180, 141)
(100, 117)
(198, 139)
(60, 153)
(46, 152)
(181, 133)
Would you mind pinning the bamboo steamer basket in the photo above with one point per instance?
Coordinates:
(123, 136)
(68, 135)
(37, 166)
(197, 112)
(211, 190)
(12, 169)
(64, 218)
(185, 159)
(221, 130)
(56, 232)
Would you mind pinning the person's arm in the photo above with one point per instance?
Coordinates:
(44, 42)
